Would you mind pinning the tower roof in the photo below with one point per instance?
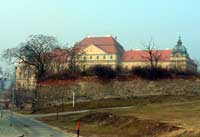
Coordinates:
(180, 48)
(179, 43)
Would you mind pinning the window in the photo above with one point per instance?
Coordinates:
(90, 57)
(19, 85)
(104, 57)
(111, 57)
(177, 54)
(20, 74)
(97, 57)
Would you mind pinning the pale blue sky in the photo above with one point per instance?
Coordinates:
(132, 21)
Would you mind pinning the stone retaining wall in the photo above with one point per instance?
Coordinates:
(125, 89)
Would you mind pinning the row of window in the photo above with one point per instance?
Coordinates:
(97, 57)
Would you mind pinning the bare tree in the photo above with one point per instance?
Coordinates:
(3, 79)
(34, 52)
(153, 55)
(75, 60)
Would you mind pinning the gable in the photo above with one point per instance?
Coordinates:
(92, 49)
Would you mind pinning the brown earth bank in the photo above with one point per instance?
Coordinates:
(129, 126)
(101, 124)
(167, 119)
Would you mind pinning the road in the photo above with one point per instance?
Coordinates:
(75, 112)
(14, 125)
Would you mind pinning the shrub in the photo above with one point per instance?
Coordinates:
(119, 71)
(88, 72)
(151, 73)
(160, 73)
(104, 72)
(62, 75)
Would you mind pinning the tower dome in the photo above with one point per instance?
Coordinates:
(180, 49)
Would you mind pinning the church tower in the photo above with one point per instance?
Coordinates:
(179, 49)
(180, 58)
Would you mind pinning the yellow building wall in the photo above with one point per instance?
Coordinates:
(25, 78)
(92, 49)
(129, 65)
(183, 63)
(96, 56)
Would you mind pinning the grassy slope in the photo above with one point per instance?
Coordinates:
(120, 102)
(115, 126)
(179, 111)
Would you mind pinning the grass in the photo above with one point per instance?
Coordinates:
(118, 102)
(105, 126)
(185, 113)
(180, 111)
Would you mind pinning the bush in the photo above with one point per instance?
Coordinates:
(88, 72)
(119, 71)
(62, 75)
(104, 72)
(160, 73)
(151, 73)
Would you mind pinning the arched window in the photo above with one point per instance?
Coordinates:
(178, 55)
(97, 57)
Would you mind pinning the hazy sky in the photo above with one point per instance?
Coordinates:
(132, 21)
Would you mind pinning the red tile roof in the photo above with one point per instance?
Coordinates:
(107, 44)
(59, 55)
(98, 41)
(142, 55)
(110, 45)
